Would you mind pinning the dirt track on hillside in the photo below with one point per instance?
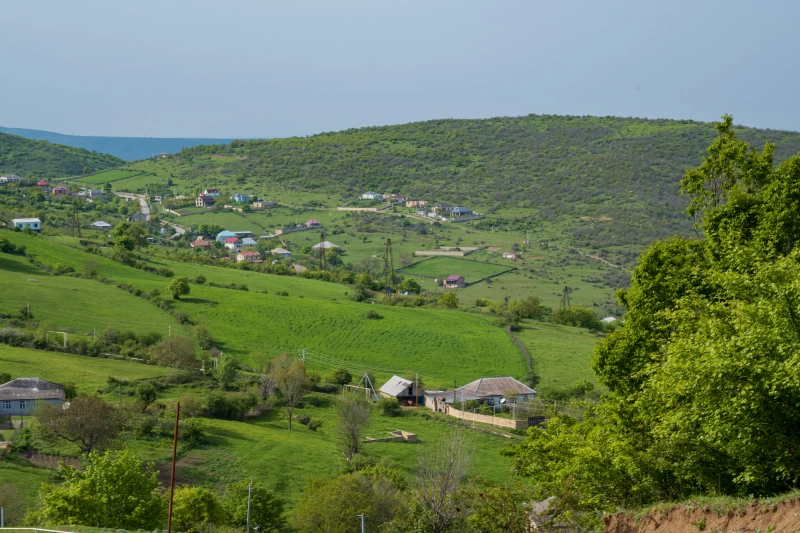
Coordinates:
(755, 517)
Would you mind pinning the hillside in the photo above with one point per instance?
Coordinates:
(43, 159)
(128, 148)
(526, 170)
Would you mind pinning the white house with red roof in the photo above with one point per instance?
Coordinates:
(212, 192)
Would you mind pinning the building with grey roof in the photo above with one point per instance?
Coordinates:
(21, 396)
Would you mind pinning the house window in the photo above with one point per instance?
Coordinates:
(6, 405)
(23, 405)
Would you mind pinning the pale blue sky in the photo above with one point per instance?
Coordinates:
(248, 68)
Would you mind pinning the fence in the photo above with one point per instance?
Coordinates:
(487, 419)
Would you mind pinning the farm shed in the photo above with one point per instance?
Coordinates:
(400, 388)
(20, 396)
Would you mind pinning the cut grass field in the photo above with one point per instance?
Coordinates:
(441, 267)
(114, 174)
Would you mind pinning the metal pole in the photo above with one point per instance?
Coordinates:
(172, 478)
(363, 528)
(2, 517)
(249, 497)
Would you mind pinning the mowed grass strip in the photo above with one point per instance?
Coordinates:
(442, 267)
(88, 373)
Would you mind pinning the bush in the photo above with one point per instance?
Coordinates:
(341, 376)
(374, 315)
(389, 407)
(314, 424)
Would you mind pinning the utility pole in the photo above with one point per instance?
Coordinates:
(249, 497)
(416, 390)
(363, 516)
(172, 478)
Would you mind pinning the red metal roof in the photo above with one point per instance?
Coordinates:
(454, 277)
(232, 239)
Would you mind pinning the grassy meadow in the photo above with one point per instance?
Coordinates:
(441, 267)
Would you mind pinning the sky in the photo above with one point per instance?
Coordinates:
(263, 68)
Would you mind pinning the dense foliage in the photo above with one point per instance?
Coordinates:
(550, 165)
(703, 380)
(42, 159)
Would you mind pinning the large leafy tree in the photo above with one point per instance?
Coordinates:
(703, 376)
(115, 490)
(266, 507)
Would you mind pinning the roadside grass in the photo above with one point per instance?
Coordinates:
(26, 478)
(441, 267)
(88, 373)
(560, 355)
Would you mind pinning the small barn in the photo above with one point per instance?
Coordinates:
(101, 224)
(402, 389)
(19, 397)
(455, 282)
(283, 252)
(33, 223)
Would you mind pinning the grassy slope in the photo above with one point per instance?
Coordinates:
(441, 267)
(88, 373)
(78, 305)
(561, 355)
(45, 160)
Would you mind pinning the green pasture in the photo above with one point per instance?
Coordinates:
(441, 267)
(88, 373)
(114, 174)
(75, 304)
(560, 355)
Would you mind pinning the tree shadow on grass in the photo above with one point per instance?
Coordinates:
(210, 303)
(17, 266)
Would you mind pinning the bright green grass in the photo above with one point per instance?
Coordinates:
(444, 345)
(26, 479)
(115, 174)
(441, 267)
(77, 304)
(88, 373)
(561, 355)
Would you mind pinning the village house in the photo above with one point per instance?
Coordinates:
(490, 391)
(19, 397)
(240, 198)
(263, 204)
(441, 209)
(43, 185)
(200, 243)
(95, 193)
(60, 190)
(327, 245)
(371, 196)
(455, 282)
(405, 390)
(205, 200)
(416, 203)
(214, 193)
(511, 255)
(101, 224)
(282, 252)
(249, 241)
(233, 243)
(311, 224)
(10, 178)
(222, 236)
(137, 217)
(33, 223)
(459, 211)
(252, 256)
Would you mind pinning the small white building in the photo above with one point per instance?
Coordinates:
(22, 223)
(101, 224)
(608, 320)
(327, 245)
(10, 178)
(369, 195)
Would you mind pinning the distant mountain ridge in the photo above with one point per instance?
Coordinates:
(40, 159)
(127, 148)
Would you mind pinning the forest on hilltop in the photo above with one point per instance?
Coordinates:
(41, 159)
(535, 167)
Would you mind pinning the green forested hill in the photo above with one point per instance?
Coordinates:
(42, 159)
(532, 168)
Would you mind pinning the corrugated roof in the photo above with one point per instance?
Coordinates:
(324, 244)
(485, 387)
(280, 251)
(396, 386)
(454, 277)
(31, 389)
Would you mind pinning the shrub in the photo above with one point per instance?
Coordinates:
(314, 424)
(374, 315)
(389, 407)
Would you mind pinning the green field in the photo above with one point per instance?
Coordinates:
(441, 267)
(88, 373)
